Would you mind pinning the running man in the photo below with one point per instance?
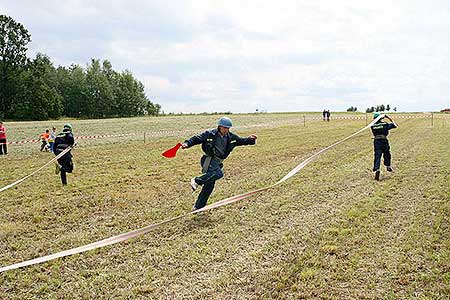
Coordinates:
(217, 145)
(63, 141)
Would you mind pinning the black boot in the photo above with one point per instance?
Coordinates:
(377, 175)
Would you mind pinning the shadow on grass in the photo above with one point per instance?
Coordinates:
(200, 220)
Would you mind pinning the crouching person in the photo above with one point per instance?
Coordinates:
(63, 141)
(217, 144)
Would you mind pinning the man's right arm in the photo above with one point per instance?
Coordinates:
(55, 146)
(71, 140)
(195, 140)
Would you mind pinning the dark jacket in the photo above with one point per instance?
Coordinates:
(62, 141)
(381, 129)
(207, 139)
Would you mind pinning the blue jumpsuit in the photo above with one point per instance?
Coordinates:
(63, 141)
(381, 147)
(216, 150)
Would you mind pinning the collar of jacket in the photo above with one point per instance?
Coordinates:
(216, 133)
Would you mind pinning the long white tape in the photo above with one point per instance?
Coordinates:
(146, 229)
(36, 171)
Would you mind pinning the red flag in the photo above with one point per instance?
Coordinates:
(172, 152)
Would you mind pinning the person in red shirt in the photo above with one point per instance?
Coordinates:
(44, 138)
(3, 148)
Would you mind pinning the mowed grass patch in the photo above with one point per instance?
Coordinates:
(386, 245)
(285, 243)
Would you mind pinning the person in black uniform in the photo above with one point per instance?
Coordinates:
(63, 141)
(217, 144)
(380, 132)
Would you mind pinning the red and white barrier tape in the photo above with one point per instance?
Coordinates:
(76, 138)
(141, 231)
(176, 132)
(28, 176)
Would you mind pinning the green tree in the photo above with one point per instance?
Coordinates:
(99, 91)
(72, 86)
(14, 38)
(131, 97)
(153, 109)
(37, 99)
(35, 89)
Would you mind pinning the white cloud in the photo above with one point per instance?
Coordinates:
(242, 55)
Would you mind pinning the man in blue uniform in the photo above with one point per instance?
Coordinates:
(217, 144)
(63, 141)
(380, 132)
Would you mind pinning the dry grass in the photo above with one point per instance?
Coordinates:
(331, 232)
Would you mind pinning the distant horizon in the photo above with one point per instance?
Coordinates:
(227, 114)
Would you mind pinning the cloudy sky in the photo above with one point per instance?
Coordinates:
(239, 56)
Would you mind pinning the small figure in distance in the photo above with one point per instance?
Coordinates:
(44, 139)
(51, 139)
(3, 146)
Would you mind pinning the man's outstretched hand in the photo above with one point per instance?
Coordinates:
(253, 136)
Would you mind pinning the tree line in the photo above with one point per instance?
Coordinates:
(34, 89)
(380, 107)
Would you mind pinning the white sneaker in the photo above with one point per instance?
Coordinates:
(194, 185)
(389, 169)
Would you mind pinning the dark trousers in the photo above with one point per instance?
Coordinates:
(381, 148)
(3, 148)
(66, 167)
(44, 145)
(207, 181)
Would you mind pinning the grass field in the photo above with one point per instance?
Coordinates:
(330, 232)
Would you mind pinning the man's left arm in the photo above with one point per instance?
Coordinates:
(250, 140)
(393, 124)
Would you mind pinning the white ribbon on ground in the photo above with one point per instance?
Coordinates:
(126, 236)
(43, 167)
